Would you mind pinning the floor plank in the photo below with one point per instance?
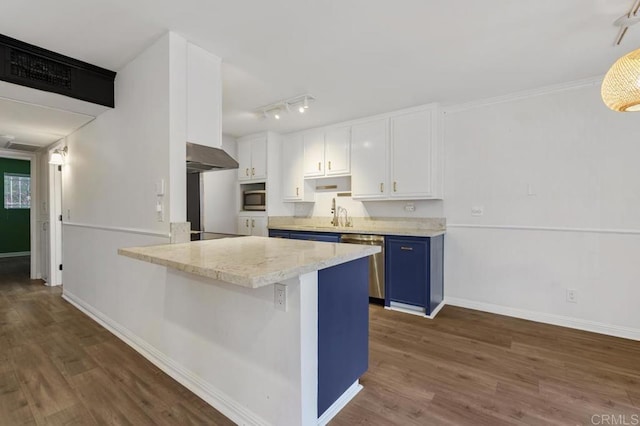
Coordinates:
(58, 367)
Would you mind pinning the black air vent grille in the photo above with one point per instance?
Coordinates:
(31, 67)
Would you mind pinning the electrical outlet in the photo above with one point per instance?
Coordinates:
(410, 207)
(159, 210)
(280, 297)
(68, 214)
(572, 295)
(477, 211)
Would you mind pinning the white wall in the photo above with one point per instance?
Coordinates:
(558, 180)
(220, 192)
(557, 177)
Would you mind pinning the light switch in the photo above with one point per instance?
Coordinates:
(160, 188)
(477, 211)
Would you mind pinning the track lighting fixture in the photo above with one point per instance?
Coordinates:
(277, 108)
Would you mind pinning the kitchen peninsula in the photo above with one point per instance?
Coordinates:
(279, 328)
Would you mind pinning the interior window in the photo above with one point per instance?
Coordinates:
(17, 191)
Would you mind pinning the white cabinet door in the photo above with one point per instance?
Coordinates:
(259, 158)
(244, 160)
(313, 154)
(292, 178)
(337, 150)
(259, 226)
(369, 159)
(244, 225)
(411, 155)
(204, 97)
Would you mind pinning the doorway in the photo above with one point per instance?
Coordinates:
(18, 220)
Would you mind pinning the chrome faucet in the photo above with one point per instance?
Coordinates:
(337, 213)
(334, 212)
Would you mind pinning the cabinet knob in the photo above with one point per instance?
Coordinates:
(253, 223)
(406, 248)
(319, 165)
(253, 171)
(246, 172)
(329, 164)
(297, 191)
(382, 187)
(395, 186)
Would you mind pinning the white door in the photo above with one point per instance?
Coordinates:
(292, 157)
(313, 154)
(244, 160)
(55, 225)
(259, 226)
(244, 225)
(411, 155)
(337, 150)
(259, 158)
(369, 159)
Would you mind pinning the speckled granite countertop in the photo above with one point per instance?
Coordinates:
(250, 261)
(415, 227)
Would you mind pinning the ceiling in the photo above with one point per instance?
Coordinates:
(358, 57)
(36, 125)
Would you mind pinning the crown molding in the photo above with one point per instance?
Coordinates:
(525, 94)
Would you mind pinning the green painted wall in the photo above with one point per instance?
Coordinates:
(14, 223)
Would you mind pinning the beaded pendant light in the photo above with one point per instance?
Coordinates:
(621, 85)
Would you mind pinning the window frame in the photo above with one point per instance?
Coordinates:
(7, 202)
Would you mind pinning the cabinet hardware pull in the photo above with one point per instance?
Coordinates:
(329, 165)
(395, 186)
(253, 171)
(246, 172)
(319, 165)
(253, 223)
(382, 187)
(406, 248)
(246, 223)
(297, 191)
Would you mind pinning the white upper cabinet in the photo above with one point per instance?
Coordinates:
(204, 97)
(313, 153)
(259, 158)
(252, 158)
(327, 153)
(412, 143)
(370, 159)
(294, 187)
(337, 151)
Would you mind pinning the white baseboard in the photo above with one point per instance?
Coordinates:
(15, 254)
(205, 390)
(577, 323)
(414, 310)
(340, 403)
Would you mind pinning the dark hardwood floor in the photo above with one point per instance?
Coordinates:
(58, 367)
(473, 368)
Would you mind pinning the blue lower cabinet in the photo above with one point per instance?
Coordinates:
(275, 233)
(343, 329)
(414, 271)
(329, 238)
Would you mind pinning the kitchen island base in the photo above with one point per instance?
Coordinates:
(256, 364)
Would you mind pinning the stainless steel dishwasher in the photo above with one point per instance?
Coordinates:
(376, 263)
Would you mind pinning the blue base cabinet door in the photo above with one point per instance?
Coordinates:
(408, 270)
(275, 233)
(329, 238)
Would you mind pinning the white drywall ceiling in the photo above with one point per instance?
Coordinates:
(36, 125)
(358, 57)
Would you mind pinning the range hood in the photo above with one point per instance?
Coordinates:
(202, 158)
